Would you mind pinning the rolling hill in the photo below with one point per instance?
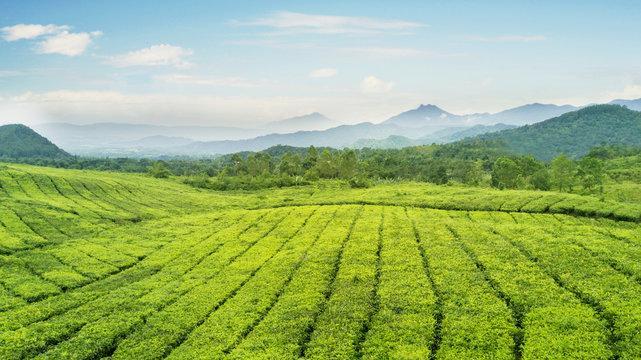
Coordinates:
(574, 133)
(20, 141)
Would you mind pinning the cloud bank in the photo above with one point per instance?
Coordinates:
(292, 22)
(373, 85)
(323, 73)
(512, 38)
(157, 55)
(65, 43)
(57, 39)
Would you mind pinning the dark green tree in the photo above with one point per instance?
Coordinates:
(326, 166)
(562, 172)
(311, 158)
(158, 170)
(347, 168)
(505, 174)
(590, 172)
(541, 180)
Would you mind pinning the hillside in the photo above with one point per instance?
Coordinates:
(19, 141)
(530, 113)
(574, 133)
(337, 137)
(440, 137)
(443, 137)
(99, 264)
(390, 142)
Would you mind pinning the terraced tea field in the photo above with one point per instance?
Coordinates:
(99, 265)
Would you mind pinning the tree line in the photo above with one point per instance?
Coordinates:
(478, 164)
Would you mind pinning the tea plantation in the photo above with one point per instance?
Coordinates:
(100, 265)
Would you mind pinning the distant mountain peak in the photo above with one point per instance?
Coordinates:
(426, 115)
(429, 107)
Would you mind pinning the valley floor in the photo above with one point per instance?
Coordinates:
(103, 265)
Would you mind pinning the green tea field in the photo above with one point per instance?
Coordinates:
(99, 265)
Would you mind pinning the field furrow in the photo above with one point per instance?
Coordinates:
(285, 330)
(101, 265)
(164, 330)
(339, 328)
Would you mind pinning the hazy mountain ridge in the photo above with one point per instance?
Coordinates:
(414, 125)
(340, 136)
(424, 125)
(439, 137)
(309, 122)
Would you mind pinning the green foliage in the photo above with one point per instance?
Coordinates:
(562, 172)
(574, 133)
(590, 172)
(19, 142)
(359, 182)
(506, 174)
(541, 180)
(159, 171)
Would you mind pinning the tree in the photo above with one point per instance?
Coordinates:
(326, 167)
(238, 164)
(297, 165)
(267, 164)
(562, 172)
(285, 167)
(590, 171)
(541, 179)
(311, 158)
(158, 170)
(474, 175)
(347, 164)
(505, 174)
(253, 164)
(528, 166)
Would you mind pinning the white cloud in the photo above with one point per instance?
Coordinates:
(21, 113)
(57, 39)
(384, 51)
(507, 38)
(374, 85)
(207, 80)
(66, 43)
(23, 31)
(84, 107)
(631, 92)
(628, 93)
(323, 73)
(292, 22)
(156, 55)
(397, 52)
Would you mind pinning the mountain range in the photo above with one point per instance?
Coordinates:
(424, 125)
(573, 133)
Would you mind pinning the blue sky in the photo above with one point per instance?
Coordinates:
(244, 63)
